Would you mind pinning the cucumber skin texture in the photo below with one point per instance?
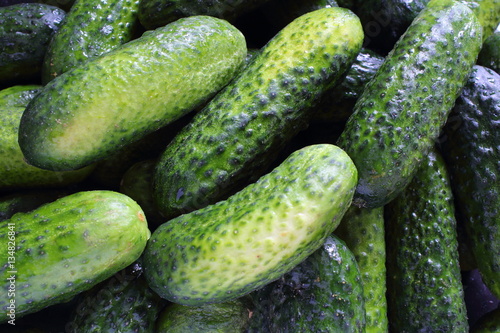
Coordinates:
(400, 114)
(293, 209)
(490, 53)
(472, 153)
(15, 173)
(322, 294)
(424, 285)
(233, 140)
(26, 30)
(156, 13)
(91, 28)
(363, 231)
(227, 317)
(59, 131)
(69, 245)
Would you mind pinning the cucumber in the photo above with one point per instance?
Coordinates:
(228, 249)
(404, 106)
(227, 317)
(15, 173)
(156, 13)
(25, 32)
(489, 323)
(490, 53)
(67, 246)
(322, 294)
(123, 303)
(91, 28)
(89, 112)
(235, 137)
(472, 152)
(363, 231)
(424, 285)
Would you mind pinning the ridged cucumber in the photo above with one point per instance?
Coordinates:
(228, 249)
(472, 152)
(91, 28)
(67, 246)
(424, 285)
(115, 99)
(363, 231)
(234, 139)
(322, 294)
(403, 108)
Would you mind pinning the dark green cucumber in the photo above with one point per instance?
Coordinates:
(490, 53)
(110, 101)
(424, 286)
(234, 139)
(403, 108)
(226, 317)
(123, 303)
(25, 32)
(67, 246)
(228, 249)
(471, 149)
(91, 28)
(322, 294)
(156, 13)
(15, 173)
(363, 231)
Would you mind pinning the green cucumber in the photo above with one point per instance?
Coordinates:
(67, 246)
(113, 100)
(226, 317)
(363, 231)
(91, 28)
(404, 106)
(228, 249)
(15, 173)
(471, 149)
(424, 285)
(490, 53)
(26, 201)
(322, 294)
(25, 33)
(234, 139)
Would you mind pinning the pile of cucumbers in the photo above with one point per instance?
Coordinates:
(249, 166)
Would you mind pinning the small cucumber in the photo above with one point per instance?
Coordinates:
(363, 231)
(322, 294)
(113, 100)
(424, 285)
(472, 152)
(235, 138)
(228, 249)
(25, 33)
(67, 246)
(15, 173)
(404, 106)
(90, 29)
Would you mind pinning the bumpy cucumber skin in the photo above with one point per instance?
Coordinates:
(403, 108)
(97, 108)
(424, 286)
(156, 13)
(91, 28)
(487, 12)
(234, 139)
(123, 303)
(228, 249)
(15, 173)
(25, 31)
(490, 53)
(472, 152)
(69, 245)
(227, 317)
(363, 231)
(322, 294)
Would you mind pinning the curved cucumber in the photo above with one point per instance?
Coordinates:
(67, 246)
(403, 108)
(113, 100)
(235, 138)
(228, 249)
